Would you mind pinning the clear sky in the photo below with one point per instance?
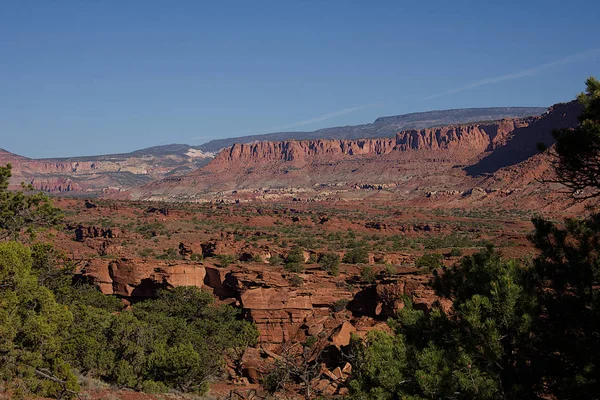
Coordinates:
(86, 77)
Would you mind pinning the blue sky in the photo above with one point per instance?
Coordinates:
(94, 77)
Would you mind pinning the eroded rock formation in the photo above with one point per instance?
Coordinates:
(443, 164)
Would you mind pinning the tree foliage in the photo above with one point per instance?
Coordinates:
(471, 353)
(176, 341)
(33, 327)
(567, 283)
(358, 255)
(515, 331)
(330, 262)
(429, 261)
(21, 211)
(577, 165)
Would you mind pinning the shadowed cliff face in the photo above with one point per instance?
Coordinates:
(523, 142)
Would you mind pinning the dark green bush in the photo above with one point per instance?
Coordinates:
(429, 261)
(296, 256)
(358, 255)
(169, 254)
(294, 267)
(455, 252)
(330, 262)
(276, 260)
(340, 305)
(367, 274)
(225, 260)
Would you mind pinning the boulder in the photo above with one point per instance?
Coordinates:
(341, 336)
(277, 313)
(325, 387)
(315, 329)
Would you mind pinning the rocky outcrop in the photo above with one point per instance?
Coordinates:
(467, 138)
(278, 313)
(298, 151)
(55, 185)
(385, 299)
(100, 174)
(131, 278)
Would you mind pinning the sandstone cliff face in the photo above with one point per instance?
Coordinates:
(138, 278)
(473, 137)
(299, 152)
(281, 313)
(469, 139)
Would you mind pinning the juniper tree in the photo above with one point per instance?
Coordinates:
(577, 163)
(23, 211)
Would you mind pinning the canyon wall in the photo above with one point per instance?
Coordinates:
(468, 140)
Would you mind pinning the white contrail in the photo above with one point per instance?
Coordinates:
(324, 116)
(521, 74)
(301, 123)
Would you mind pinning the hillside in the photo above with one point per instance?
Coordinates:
(453, 161)
(91, 175)
(387, 126)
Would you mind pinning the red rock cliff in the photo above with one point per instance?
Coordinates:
(469, 139)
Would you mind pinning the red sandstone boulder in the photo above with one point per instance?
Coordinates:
(278, 313)
(341, 337)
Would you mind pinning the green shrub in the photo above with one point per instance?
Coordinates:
(276, 260)
(455, 252)
(296, 256)
(311, 341)
(294, 267)
(390, 269)
(225, 260)
(429, 261)
(358, 255)
(296, 280)
(153, 387)
(150, 230)
(368, 274)
(340, 305)
(330, 262)
(169, 254)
